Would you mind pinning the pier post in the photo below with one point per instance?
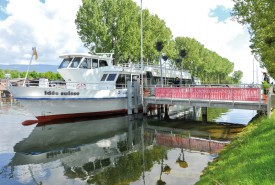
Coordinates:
(135, 97)
(194, 113)
(144, 108)
(204, 115)
(131, 122)
(159, 110)
(166, 111)
(129, 97)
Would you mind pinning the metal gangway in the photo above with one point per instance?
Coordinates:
(248, 97)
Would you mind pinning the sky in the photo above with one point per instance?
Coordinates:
(49, 26)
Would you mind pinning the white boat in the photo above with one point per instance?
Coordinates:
(92, 86)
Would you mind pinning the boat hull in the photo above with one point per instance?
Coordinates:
(59, 109)
(79, 103)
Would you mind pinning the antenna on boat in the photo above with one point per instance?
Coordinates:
(34, 53)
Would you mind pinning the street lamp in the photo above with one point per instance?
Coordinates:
(159, 47)
(165, 58)
(182, 55)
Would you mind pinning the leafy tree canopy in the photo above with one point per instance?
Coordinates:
(259, 16)
(114, 26)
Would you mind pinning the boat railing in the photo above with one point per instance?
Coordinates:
(74, 85)
(152, 66)
(109, 55)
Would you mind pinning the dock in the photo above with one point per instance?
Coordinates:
(249, 98)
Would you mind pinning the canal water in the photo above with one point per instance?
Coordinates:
(112, 150)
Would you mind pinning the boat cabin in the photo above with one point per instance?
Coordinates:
(81, 68)
(84, 68)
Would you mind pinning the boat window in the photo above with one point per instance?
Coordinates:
(121, 81)
(104, 77)
(135, 78)
(111, 77)
(75, 62)
(128, 78)
(65, 63)
(95, 63)
(86, 64)
(102, 63)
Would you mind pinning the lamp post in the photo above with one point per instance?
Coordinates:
(182, 55)
(159, 47)
(141, 53)
(165, 59)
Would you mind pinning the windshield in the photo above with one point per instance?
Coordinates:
(65, 63)
(86, 64)
(75, 62)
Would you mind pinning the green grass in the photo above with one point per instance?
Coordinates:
(249, 159)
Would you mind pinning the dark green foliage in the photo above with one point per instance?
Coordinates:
(114, 26)
(201, 62)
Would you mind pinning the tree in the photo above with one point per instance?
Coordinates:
(114, 26)
(2, 74)
(33, 74)
(237, 76)
(259, 16)
(109, 26)
(206, 64)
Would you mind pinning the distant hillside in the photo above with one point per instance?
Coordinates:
(42, 68)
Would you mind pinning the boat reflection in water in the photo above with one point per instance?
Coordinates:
(117, 150)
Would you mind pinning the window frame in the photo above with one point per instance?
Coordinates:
(74, 60)
(63, 61)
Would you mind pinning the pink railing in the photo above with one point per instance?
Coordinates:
(191, 143)
(209, 93)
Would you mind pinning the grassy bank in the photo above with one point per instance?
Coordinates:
(249, 159)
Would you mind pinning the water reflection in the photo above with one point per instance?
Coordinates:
(113, 150)
(217, 115)
(105, 151)
(236, 116)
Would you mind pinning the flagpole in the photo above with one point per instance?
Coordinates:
(28, 67)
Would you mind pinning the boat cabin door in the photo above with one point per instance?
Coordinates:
(149, 80)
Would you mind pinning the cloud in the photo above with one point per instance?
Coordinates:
(195, 19)
(48, 25)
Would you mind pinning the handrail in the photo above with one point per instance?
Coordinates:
(138, 66)
(209, 93)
